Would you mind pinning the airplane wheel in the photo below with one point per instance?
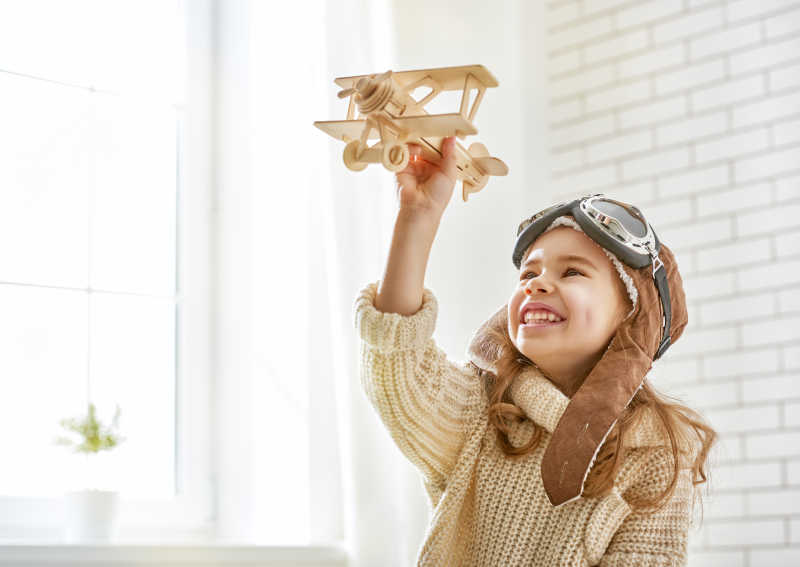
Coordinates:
(349, 157)
(395, 156)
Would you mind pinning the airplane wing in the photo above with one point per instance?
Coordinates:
(345, 129)
(449, 78)
(436, 124)
(440, 125)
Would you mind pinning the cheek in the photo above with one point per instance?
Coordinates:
(516, 300)
(588, 318)
(575, 301)
(585, 309)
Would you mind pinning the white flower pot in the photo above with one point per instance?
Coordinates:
(90, 515)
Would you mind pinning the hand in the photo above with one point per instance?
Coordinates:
(424, 186)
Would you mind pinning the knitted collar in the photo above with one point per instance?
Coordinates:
(544, 404)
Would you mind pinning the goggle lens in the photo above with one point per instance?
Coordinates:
(629, 216)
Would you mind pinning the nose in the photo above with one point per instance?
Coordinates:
(537, 283)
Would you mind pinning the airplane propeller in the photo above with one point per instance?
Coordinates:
(364, 87)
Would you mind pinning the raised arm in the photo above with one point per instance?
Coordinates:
(425, 400)
(424, 190)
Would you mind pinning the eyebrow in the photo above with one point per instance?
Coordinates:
(568, 258)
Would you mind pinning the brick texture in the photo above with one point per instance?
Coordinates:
(691, 110)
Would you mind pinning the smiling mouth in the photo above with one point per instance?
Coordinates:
(538, 324)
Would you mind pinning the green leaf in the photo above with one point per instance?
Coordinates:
(95, 436)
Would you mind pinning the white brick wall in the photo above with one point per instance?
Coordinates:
(691, 110)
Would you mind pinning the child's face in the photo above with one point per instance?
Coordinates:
(592, 300)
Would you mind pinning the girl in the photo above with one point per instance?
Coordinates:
(548, 446)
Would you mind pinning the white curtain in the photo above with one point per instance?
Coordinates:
(351, 220)
(300, 235)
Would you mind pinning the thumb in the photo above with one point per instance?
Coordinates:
(448, 164)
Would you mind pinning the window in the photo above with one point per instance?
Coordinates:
(96, 270)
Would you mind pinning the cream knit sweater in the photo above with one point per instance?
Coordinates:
(489, 511)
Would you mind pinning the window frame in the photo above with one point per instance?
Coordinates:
(189, 515)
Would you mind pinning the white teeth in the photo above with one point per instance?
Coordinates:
(541, 315)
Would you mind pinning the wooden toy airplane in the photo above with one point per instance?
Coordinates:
(388, 111)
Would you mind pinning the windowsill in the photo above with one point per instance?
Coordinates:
(143, 554)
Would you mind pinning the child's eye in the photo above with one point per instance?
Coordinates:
(566, 272)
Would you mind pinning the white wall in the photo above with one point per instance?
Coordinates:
(691, 110)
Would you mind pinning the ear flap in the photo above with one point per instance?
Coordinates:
(484, 349)
(590, 415)
(611, 384)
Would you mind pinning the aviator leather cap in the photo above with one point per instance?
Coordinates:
(610, 385)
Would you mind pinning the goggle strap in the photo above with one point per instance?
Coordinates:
(657, 264)
(660, 279)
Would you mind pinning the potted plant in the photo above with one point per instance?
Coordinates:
(90, 514)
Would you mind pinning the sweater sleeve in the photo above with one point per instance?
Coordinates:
(660, 538)
(423, 398)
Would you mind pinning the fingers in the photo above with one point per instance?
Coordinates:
(417, 165)
(414, 154)
(448, 164)
(405, 177)
(414, 167)
(420, 168)
(414, 172)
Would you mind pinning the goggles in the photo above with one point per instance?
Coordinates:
(617, 227)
